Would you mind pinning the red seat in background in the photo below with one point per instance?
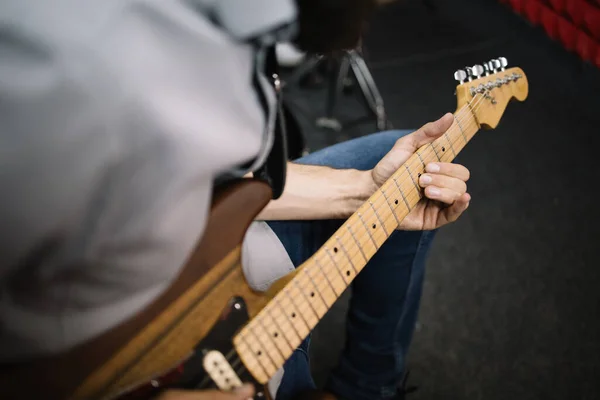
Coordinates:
(558, 5)
(567, 33)
(574, 9)
(591, 18)
(549, 20)
(532, 10)
(517, 5)
(586, 47)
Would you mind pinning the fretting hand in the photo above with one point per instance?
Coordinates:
(446, 196)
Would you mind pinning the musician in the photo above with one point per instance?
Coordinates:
(117, 118)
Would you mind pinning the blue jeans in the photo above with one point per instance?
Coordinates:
(385, 295)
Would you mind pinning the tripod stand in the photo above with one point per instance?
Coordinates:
(349, 61)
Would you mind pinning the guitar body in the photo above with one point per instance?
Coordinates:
(173, 342)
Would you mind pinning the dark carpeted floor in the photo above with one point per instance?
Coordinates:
(511, 306)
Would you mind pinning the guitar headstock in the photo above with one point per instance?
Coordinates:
(489, 88)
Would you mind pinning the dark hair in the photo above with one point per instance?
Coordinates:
(327, 26)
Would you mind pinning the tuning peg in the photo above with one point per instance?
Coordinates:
(488, 68)
(477, 71)
(497, 64)
(503, 63)
(460, 76)
(469, 72)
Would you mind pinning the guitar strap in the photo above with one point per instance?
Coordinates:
(274, 168)
(275, 21)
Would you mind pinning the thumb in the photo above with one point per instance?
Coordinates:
(407, 145)
(430, 131)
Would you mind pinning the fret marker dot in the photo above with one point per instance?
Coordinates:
(374, 226)
(419, 174)
(443, 149)
(293, 315)
(226, 380)
(312, 294)
(335, 250)
(221, 371)
(348, 273)
(275, 334)
(259, 353)
(396, 201)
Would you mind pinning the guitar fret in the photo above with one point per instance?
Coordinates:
(402, 194)
(268, 349)
(259, 351)
(461, 129)
(357, 244)
(326, 277)
(436, 153)
(346, 254)
(420, 158)
(301, 290)
(303, 306)
(261, 324)
(292, 312)
(449, 143)
(411, 177)
(317, 290)
(337, 268)
(379, 219)
(368, 231)
(253, 353)
(390, 206)
(296, 308)
(282, 330)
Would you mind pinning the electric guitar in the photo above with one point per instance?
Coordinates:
(210, 329)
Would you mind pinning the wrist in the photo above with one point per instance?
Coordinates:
(357, 187)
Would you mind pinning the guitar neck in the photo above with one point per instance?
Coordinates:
(269, 339)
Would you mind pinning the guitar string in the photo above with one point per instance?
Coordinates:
(335, 265)
(466, 110)
(387, 219)
(379, 207)
(375, 209)
(470, 110)
(382, 200)
(327, 264)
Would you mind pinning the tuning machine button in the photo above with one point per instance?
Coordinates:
(477, 70)
(496, 64)
(460, 76)
(469, 72)
(503, 63)
(488, 68)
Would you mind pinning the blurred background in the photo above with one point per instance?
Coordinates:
(511, 305)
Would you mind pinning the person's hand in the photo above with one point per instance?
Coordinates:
(244, 392)
(446, 196)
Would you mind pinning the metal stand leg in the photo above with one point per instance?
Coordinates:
(309, 65)
(369, 89)
(337, 78)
